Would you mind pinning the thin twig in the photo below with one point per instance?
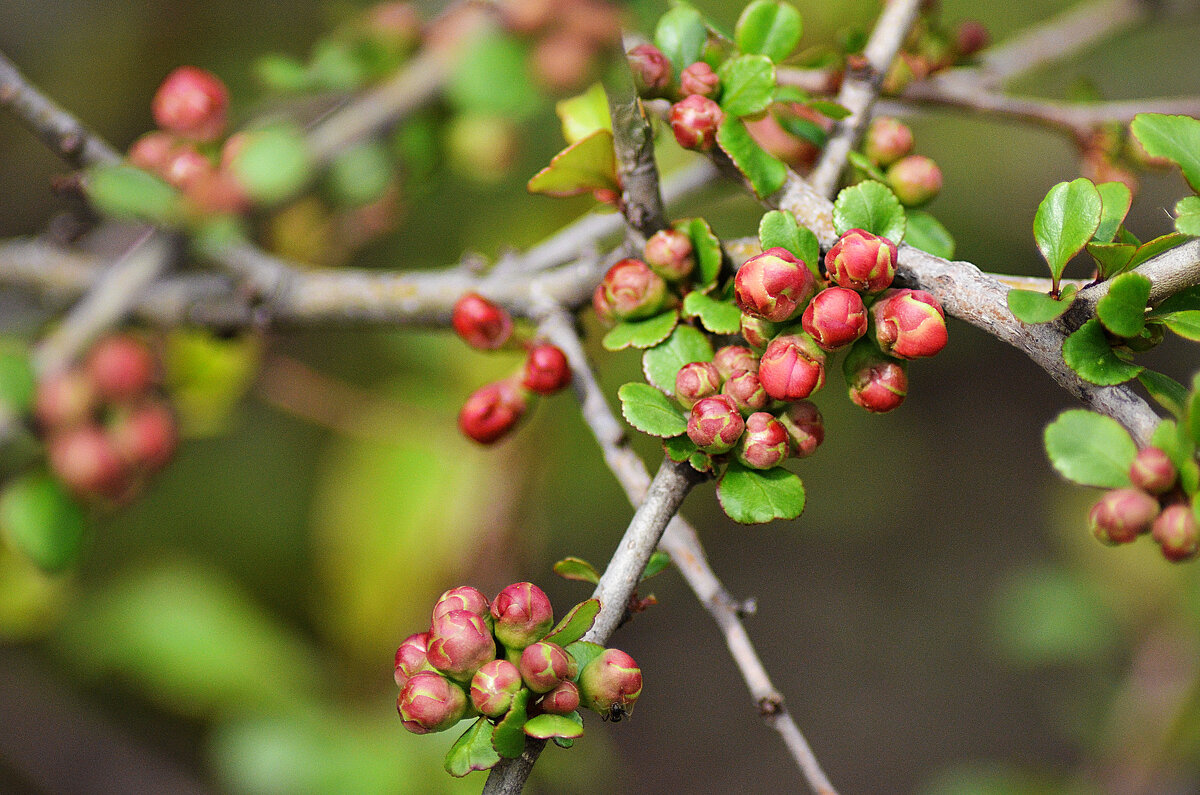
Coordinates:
(633, 141)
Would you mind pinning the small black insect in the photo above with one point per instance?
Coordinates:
(616, 713)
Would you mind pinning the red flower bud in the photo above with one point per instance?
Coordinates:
(522, 614)
(887, 141)
(481, 323)
(493, 687)
(544, 665)
(1152, 471)
(695, 381)
(86, 460)
(601, 305)
(835, 317)
(773, 285)
(909, 324)
(876, 382)
(757, 332)
(699, 78)
(459, 643)
(792, 368)
(633, 291)
(492, 411)
(652, 72)
(668, 252)
(915, 180)
(612, 681)
(730, 359)
(64, 399)
(1176, 533)
(746, 391)
(804, 424)
(152, 150)
(715, 424)
(410, 657)
(862, 261)
(546, 369)
(562, 700)
(1121, 514)
(765, 443)
(970, 37)
(186, 168)
(122, 367)
(695, 120)
(145, 435)
(191, 102)
(464, 597)
(430, 702)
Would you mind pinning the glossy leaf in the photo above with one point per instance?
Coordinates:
(584, 651)
(472, 751)
(769, 27)
(1181, 301)
(681, 35)
(1031, 306)
(584, 114)
(129, 193)
(545, 726)
(575, 624)
(1123, 309)
(577, 569)
(747, 84)
(765, 172)
(1111, 258)
(1152, 248)
(686, 344)
(1166, 391)
(1090, 449)
(1065, 221)
(659, 560)
(679, 448)
(1176, 138)
(1186, 324)
(753, 496)
(39, 518)
(640, 333)
(870, 206)
(584, 166)
(650, 411)
(1115, 198)
(925, 232)
(780, 228)
(705, 247)
(1088, 352)
(803, 128)
(1187, 216)
(508, 738)
(719, 317)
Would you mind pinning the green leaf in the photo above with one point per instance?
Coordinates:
(830, 109)
(1152, 248)
(659, 560)
(546, 726)
(1065, 221)
(747, 84)
(1176, 138)
(1166, 391)
(769, 27)
(864, 164)
(927, 233)
(1179, 302)
(1123, 309)
(701, 461)
(577, 569)
(584, 114)
(39, 518)
(1187, 216)
(584, 166)
(1115, 198)
(681, 35)
(126, 192)
(1127, 237)
(1111, 258)
(282, 74)
(575, 624)
(640, 333)
(805, 129)
(679, 448)
(508, 738)
(650, 411)
(491, 77)
(1090, 449)
(870, 206)
(1191, 426)
(472, 751)
(779, 228)
(360, 174)
(753, 496)
(705, 247)
(1030, 306)
(686, 344)
(1186, 324)
(17, 382)
(584, 651)
(719, 317)
(766, 173)
(1088, 353)
(275, 164)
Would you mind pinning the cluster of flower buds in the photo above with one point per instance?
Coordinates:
(1111, 153)
(695, 114)
(107, 428)
(915, 179)
(507, 661)
(495, 409)
(634, 289)
(571, 37)
(1153, 504)
(932, 47)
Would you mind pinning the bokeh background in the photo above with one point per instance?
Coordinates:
(939, 619)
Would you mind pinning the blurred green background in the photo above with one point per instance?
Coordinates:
(939, 619)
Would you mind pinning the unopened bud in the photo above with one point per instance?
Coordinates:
(522, 614)
(493, 687)
(602, 307)
(746, 391)
(862, 261)
(766, 442)
(669, 254)
(792, 367)
(464, 597)
(1176, 533)
(121, 367)
(909, 324)
(544, 665)
(876, 382)
(1121, 514)
(611, 680)
(563, 699)
(804, 424)
(64, 399)
(773, 285)
(481, 323)
(695, 120)
(633, 290)
(699, 78)
(429, 702)
(192, 103)
(145, 435)
(730, 359)
(835, 317)
(546, 369)
(970, 37)
(757, 332)
(1152, 471)
(410, 657)
(652, 71)
(715, 424)
(459, 643)
(152, 150)
(915, 180)
(887, 141)
(85, 459)
(695, 381)
(492, 411)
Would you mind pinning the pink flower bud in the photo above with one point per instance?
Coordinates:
(876, 382)
(410, 657)
(562, 700)
(430, 702)
(493, 687)
(191, 102)
(464, 597)
(611, 683)
(86, 460)
(915, 180)
(64, 399)
(459, 643)
(862, 261)
(121, 367)
(522, 614)
(546, 369)
(730, 359)
(1176, 533)
(757, 332)
(804, 424)
(699, 78)
(152, 150)
(492, 411)
(695, 381)
(602, 307)
(695, 120)
(970, 37)
(887, 141)
(186, 168)
(792, 367)
(633, 291)
(145, 435)
(715, 424)
(669, 254)
(765, 443)
(1152, 471)
(544, 665)
(909, 324)
(652, 72)
(747, 393)
(481, 323)
(835, 317)
(773, 285)
(1121, 514)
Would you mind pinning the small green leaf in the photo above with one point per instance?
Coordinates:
(650, 411)
(1030, 306)
(1090, 449)
(830, 109)
(1186, 323)
(508, 738)
(927, 233)
(659, 560)
(282, 74)
(1187, 216)
(705, 247)
(1179, 302)
(747, 84)
(1088, 353)
(805, 129)
(864, 164)
(129, 193)
(779, 228)
(753, 496)
(681, 35)
(491, 77)
(679, 448)
(1123, 309)
(870, 206)
(1065, 221)
(577, 569)
(1115, 198)
(769, 27)
(1176, 138)
(640, 333)
(545, 726)
(686, 344)
(1166, 391)
(719, 317)
(584, 166)
(701, 461)
(584, 114)
(39, 518)
(1111, 258)
(766, 173)
(472, 751)
(575, 624)
(1173, 441)
(360, 174)
(17, 382)
(1191, 424)
(1152, 248)
(1127, 237)
(275, 164)
(584, 651)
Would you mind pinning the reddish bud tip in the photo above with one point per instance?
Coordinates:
(611, 681)
(757, 332)
(695, 120)
(145, 435)
(668, 252)
(876, 382)
(410, 657)
(563, 699)
(152, 150)
(86, 460)
(464, 597)
(970, 37)
(122, 367)
(887, 141)
(835, 317)
(1176, 533)
(765, 443)
(909, 324)
(915, 180)
(792, 367)
(493, 687)
(633, 291)
(715, 424)
(804, 424)
(1152, 471)
(652, 72)
(481, 323)
(522, 615)
(546, 369)
(459, 643)
(696, 381)
(773, 285)
(492, 411)
(429, 702)
(64, 399)
(192, 103)
(746, 391)
(1121, 514)
(862, 261)
(544, 664)
(699, 78)
(730, 359)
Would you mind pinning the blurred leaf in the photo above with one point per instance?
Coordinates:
(282, 73)
(650, 411)
(1065, 221)
(641, 333)
(659, 560)
(577, 569)
(1115, 198)
(996, 779)
(491, 77)
(1181, 301)
(1090, 449)
(1031, 306)
(1187, 216)
(207, 375)
(360, 174)
(765, 172)
(545, 726)
(1047, 616)
(747, 84)
(275, 163)
(864, 164)
(769, 27)
(719, 317)
(1166, 391)
(584, 114)
(336, 65)
(31, 601)
(1176, 138)
(1123, 309)
(779, 228)
(575, 624)
(1088, 352)
(927, 233)
(681, 35)
(706, 247)
(586, 165)
(870, 206)
(803, 128)
(829, 109)
(473, 750)
(41, 520)
(1152, 248)
(753, 496)
(685, 345)
(17, 383)
(129, 193)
